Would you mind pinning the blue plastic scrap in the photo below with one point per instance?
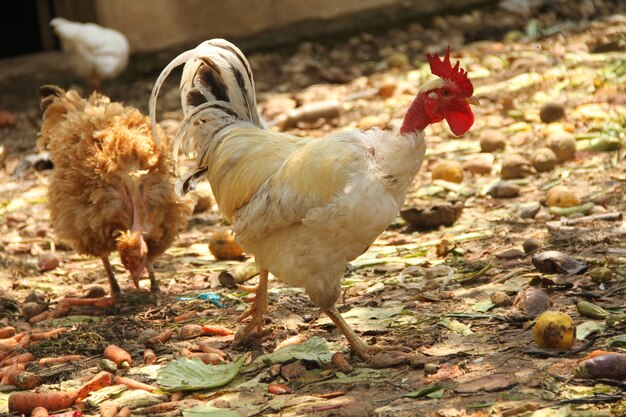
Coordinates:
(206, 296)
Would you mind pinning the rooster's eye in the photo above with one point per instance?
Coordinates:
(445, 93)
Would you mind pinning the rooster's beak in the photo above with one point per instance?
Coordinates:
(472, 100)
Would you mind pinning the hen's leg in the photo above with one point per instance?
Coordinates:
(116, 292)
(157, 295)
(256, 310)
(362, 349)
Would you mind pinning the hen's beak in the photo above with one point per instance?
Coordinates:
(472, 100)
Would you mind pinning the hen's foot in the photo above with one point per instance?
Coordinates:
(157, 296)
(358, 346)
(256, 311)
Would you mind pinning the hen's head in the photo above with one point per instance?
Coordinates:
(133, 253)
(447, 97)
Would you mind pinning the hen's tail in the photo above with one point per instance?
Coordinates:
(216, 90)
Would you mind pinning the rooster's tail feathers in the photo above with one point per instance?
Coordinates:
(215, 71)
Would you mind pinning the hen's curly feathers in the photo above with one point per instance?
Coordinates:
(104, 155)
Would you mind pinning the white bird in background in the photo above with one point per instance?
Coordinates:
(98, 52)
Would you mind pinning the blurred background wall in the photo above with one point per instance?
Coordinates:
(152, 25)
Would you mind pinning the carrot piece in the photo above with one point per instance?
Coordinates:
(49, 334)
(75, 413)
(100, 380)
(11, 342)
(21, 358)
(108, 409)
(10, 372)
(149, 358)
(60, 359)
(27, 380)
(206, 357)
(38, 318)
(176, 396)
(208, 349)
(124, 412)
(118, 355)
(26, 401)
(39, 412)
(132, 384)
(185, 316)
(162, 337)
(216, 330)
(599, 352)
(6, 332)
(103, 302)
(189, 330)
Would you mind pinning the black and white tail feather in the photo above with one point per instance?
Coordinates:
(216, 90)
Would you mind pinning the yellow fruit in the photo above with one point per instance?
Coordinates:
(554, 330)
(223, 246)
(450, 171)
(561, 196)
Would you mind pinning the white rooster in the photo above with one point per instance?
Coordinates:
(303, 207)
(98, 53)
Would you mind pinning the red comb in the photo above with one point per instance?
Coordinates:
(443, 68)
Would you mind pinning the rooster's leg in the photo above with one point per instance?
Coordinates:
(157, 295)
(256, 310)
(362, 349)
(116, 291)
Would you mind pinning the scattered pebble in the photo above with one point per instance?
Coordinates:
(544, 160)
(7, 119)
(531, 244)
(532, 301)
(563, 144)
(492, 140)
(515, 166)
(47, 262)
(503, 189)
(551, 112)
(501, 299)
(529, 210)
(369, 122)
(479, 166)
(292, 370)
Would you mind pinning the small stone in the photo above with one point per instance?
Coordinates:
(563, 144)
(492, 140)
(31, 309)
(479, 166)
(551, 112)
(501, 299)
(431, 368)
(531, 244)
(529, 210)
(145, 336)
(544, 159)
(47, 262)
(515, 166)
(503, 189)
(532, 301)
(292, 370)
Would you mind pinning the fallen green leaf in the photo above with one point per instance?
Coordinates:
(426, 391)
(483, 306)
(209, 411)
(315, 349)
(456, 326)
(587, 328)
(617, 340)
(192, 374)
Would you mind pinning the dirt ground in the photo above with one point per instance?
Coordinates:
(461, 296)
